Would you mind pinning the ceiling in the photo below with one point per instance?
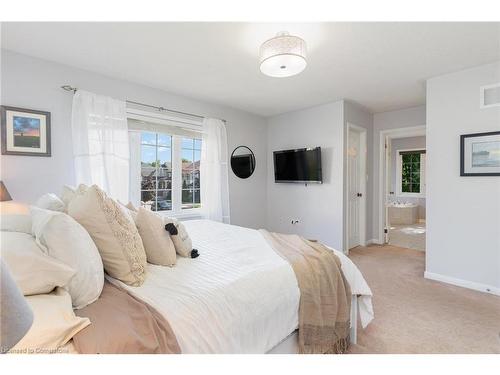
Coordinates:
(381, 66)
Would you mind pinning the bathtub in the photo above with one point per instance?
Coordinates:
(402, 213)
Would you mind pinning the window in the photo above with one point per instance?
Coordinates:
(170, 172)
(191, 154)
(411, 173)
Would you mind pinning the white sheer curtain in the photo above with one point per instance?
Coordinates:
(214, 178)
(134, 140)
(101, 143)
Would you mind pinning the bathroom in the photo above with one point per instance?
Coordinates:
(406, 192)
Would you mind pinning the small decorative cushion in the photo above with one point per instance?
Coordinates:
(64, 239)
(33, 271)
(15, 217)
(157, 242)
(50, 202)
(54, 323)
(114, 232)
(180, 237)
(68, 193)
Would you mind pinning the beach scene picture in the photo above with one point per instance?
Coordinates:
(26, 132)
(486, 154)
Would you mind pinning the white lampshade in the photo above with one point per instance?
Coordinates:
(283, 56)
(16, 316)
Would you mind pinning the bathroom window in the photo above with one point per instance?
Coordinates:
(411, 173)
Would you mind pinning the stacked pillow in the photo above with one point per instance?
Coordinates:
(159, 247)
(54, 323)
(113, 230)
(62, 238)
(160, 235)
(33, 271)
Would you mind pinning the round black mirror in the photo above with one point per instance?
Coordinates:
(242, 162)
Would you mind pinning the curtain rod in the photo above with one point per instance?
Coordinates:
(161, 109)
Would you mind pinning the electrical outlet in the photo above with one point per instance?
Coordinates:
(294, 221)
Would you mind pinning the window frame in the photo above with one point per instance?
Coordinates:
(176, 189)
(399, 175)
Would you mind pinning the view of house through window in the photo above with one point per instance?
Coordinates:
(158, 188)
(191, 154)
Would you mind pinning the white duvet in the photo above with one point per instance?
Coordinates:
(238, 296)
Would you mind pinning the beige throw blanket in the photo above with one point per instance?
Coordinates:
(325, 295)
(122, 324)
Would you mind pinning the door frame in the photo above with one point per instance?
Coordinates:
(363, 182)
(389, 134)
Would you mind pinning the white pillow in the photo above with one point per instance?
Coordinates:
(33, 271)
(66, 240)
(15, 217)
(68, 193)
(50, 202)
(180, 237)
(54, 324)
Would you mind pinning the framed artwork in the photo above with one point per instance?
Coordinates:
(480, 154)
(25, 132)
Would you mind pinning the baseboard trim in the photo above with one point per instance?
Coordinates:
(462, 283)
(374, 241)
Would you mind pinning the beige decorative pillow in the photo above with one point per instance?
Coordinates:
(159, 247)
(182, 241)
(114, 232)
(54, 323)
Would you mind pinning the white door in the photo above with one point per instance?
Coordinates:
(354, 179)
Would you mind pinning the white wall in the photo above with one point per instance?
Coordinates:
(463, 213)
(318, 207)
(32, 83)
(408, 143)
(403, 118)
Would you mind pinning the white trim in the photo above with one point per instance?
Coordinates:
(412, 131)
(482, 89)
(162, 118)
(373, 241)
(462, 283)
(363, 177)
(399, 168)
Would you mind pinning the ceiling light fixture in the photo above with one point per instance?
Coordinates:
(283, 56)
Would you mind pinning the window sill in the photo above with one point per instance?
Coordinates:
(190, 215)
(410, 195)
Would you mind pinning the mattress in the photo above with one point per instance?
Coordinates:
(238, 296)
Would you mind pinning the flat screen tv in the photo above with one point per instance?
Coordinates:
(302, 165)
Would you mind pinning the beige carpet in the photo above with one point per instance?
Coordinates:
(416, 315)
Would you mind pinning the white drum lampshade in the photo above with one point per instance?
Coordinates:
(283, 56)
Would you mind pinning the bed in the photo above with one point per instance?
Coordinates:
(238, 296)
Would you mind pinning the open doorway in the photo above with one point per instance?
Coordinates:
(356, 186)
(403, 199)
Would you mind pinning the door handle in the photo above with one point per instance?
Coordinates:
(359, 195)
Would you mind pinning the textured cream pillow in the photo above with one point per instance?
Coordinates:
(159, 247)
(54, 324)
(114, 232)
(66, 240)
(33, 271)
(182, 241)
(50, 202)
